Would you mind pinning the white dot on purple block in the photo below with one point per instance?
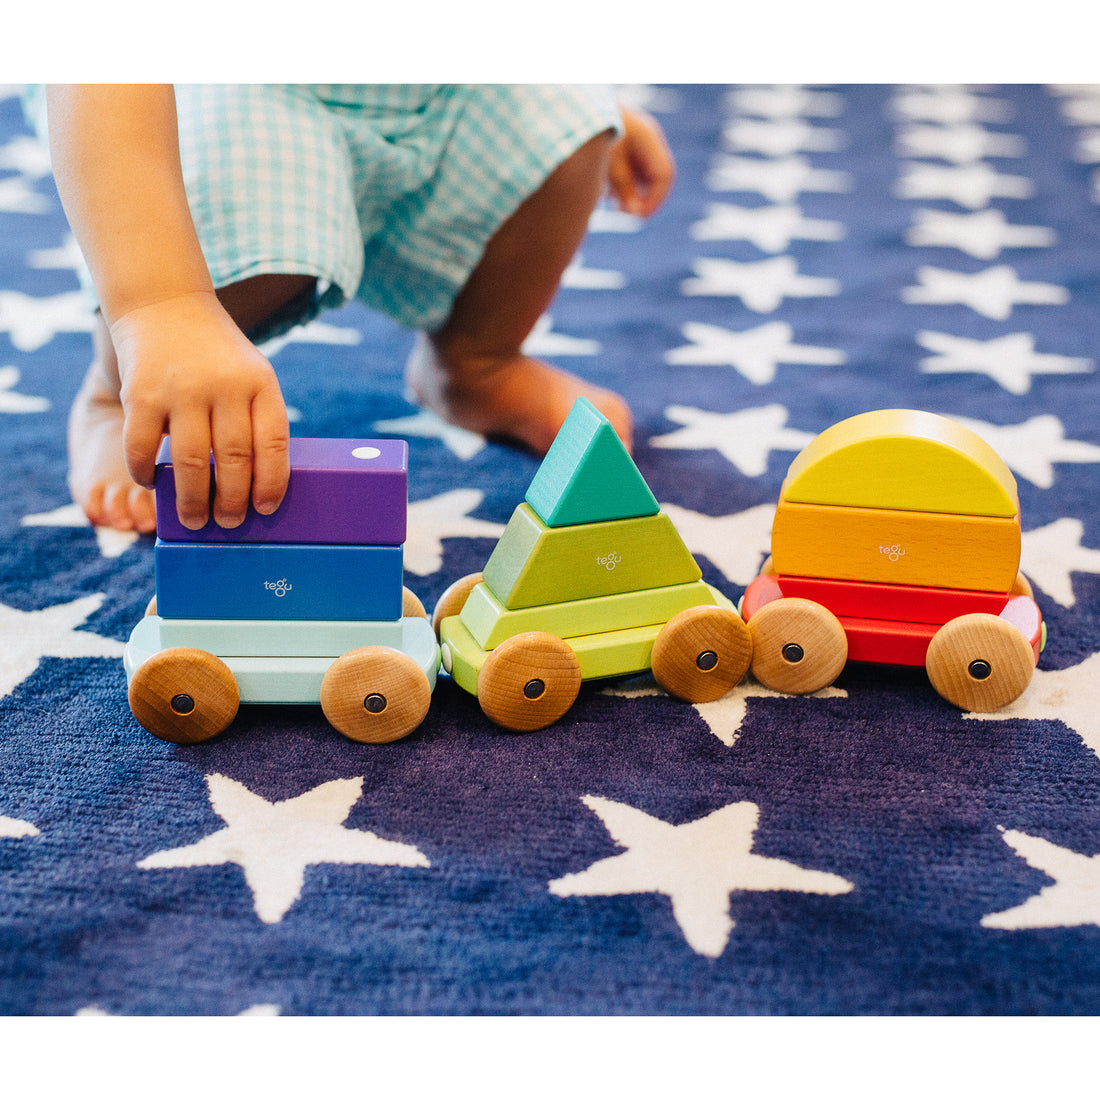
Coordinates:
(365, 452)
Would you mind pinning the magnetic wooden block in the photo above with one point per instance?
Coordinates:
(534, 564)
(903, 459)
(875, 641)
(588, 475)
(904, 603)
(278, 637)
(293, 680)
(896, 547)
(491, 623)
(198, 580)
(349, 491)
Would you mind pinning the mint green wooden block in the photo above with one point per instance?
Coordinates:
(278, 637)
(491, 623)
(534, 564)
(588, 475)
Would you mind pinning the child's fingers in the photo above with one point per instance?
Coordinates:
(231, 432)
(190, 442)
(271, 462)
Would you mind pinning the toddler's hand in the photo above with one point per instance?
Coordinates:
(642, 168)
(189, 372)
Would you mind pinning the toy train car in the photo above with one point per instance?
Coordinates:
(897, 541)
(590, 579)
(304, 606)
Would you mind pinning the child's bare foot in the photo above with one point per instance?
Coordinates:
(98, 477)
(517, 398)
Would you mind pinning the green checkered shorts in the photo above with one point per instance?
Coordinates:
(385, 193)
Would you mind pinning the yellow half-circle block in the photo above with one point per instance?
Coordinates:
(903, 459)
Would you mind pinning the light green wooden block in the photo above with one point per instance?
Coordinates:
(277, 637)
(491, 623)
(535, 564)
(588, 475)
(601, 655)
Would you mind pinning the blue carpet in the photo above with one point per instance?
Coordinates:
(867, 850)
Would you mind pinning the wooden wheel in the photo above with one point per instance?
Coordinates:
(184, 695)
(701, 653)
(529, 681)
(798, 646)
(411, 607)
(375, 694)
(151, 607)
(453, 599)
(979, 662)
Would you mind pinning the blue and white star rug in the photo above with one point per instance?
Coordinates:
(865, 850)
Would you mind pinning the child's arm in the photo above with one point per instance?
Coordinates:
(642, 169)
(185, 367)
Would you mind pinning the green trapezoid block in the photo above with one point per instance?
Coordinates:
(588, 475)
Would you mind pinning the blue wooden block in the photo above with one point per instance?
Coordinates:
(197, 580)
(341, 491)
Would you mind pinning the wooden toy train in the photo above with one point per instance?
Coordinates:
(896, 541)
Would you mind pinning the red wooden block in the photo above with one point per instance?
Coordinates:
(896, 602)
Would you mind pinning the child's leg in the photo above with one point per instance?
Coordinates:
(98, 477)
(471, 371)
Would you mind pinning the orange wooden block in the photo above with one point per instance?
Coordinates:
(905, 459)
(896, 547)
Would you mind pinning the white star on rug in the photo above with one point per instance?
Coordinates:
(66, 257)
(781, 180)
(1082, 110)
(578, 277)
(1067, 695)
(13, 828)
(983, 235)
(696, 865)
(18, 197)
(425, 424)
(34, 322)
(725, 716)
(111, 543)
(1033, 448)
(274, 842)
(1073, 899)
(785, 101)
(1010, 360)
(780, 137)
(1087, 147)
(992, 292)
(761, 285)
(1050, 555)
(961, 143)
(745, 438)
(27, 156)
(770, 228)
(949, 106)
(446, 516)
(544, 341)
(12, 402)
(314, 332)
(608, 219)
(754, 353)
(972, 185)
(29, 636)
(735, 544)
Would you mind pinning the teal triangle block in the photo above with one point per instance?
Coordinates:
(588, 475)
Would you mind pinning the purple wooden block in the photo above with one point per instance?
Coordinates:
(342, 491)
